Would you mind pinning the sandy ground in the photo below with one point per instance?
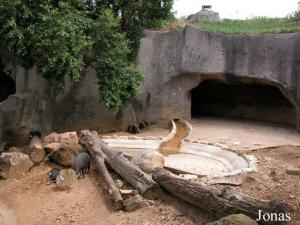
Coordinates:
(243, 135)
(156, 130)
(34, 200)
(285, 187)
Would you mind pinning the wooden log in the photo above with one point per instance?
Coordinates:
(218, 202)
(36, 150)
(98, 156)
(126, 169)
(113, 190)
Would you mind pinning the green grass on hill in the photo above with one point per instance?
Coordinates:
(258, 25)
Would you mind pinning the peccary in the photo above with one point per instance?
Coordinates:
(82, 163)
(52, 174)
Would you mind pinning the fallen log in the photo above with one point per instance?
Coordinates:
(126, 169)
(95, 150)
(218, 202)
(36, 150)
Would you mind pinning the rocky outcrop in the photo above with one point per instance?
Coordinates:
(148, 161)
(204, 15)
(235, 219)
(66, 179)
(22, 113)
(62, 148)
(14, 164)
(175, 62)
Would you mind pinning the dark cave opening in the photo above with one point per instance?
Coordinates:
(246, 101)
(7, 86)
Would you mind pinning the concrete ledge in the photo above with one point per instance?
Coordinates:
(136, 142)
(236, 164)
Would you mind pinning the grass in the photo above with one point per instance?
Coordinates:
(257, 25)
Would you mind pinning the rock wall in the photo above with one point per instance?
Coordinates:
(175, 62)
(40, 105)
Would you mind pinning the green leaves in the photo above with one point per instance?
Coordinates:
(58, 36)
(118, 80)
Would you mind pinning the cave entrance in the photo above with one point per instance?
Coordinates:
(247, 101)
(7, 86)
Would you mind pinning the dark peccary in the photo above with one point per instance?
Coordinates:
(82, 164)
(35, 133)
(52, 174)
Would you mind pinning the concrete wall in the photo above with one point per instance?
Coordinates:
(173, 63)
(177, 61)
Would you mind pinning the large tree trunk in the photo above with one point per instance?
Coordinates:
(95, 150)
(36, 150)
(130, 172)
(219, 203)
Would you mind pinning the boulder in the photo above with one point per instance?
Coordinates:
(52, 138)
(235, 219)
(133, 203)
(119, 183)
(21, 113)
(149, 160)
(14, 164)
(15, 149)
(62, 148)
(204, 15)
(66, 179)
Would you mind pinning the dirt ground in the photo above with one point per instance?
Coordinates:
(264, 185)
(34, 200)
(243, 135)
(159, 129)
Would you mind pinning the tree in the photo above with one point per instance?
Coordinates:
(62, 37)
(136, 14)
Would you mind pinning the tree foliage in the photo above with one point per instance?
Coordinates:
(136, 14)
(61, 37)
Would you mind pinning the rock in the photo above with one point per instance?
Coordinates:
(52, 138)
(235, 219)
(133, 203)
(66, 179)
(204, 15)
(119, 183)
(14, 164)
(292, 197)
(2, 145)
(127, 193)
(62, 148)
(149, 160)
(15, 149)
(22, 113)
(276, 176)
(293, 171)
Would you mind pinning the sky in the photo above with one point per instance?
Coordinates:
(238, 9)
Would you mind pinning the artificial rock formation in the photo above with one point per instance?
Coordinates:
(148, 161)
(204, 15)
(14, 164)
(62, 148)
(174, 63)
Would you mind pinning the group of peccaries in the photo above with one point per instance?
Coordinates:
(81, 164)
